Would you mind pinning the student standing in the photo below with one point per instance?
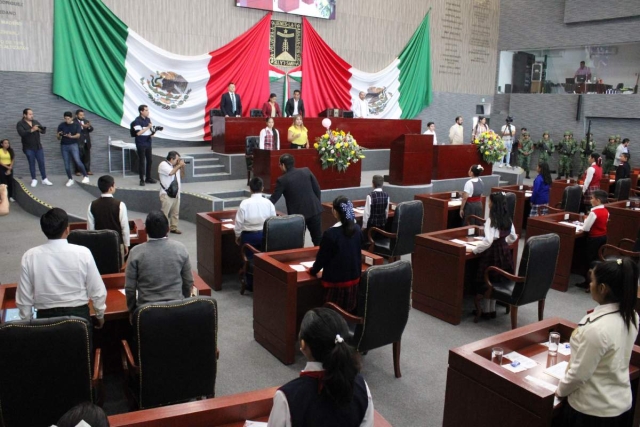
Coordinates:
(540, 194)
(340, 257)
(472, 195)
(623, 170)
(330, 391)
(596, 383)
(376, 206)
(596, 225)
(109, 213)
(591, 178)
(499, 233)
(269, 136)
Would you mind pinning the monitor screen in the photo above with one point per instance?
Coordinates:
(570, 81)
(581, 79)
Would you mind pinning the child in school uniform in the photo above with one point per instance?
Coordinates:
(540, 194)
(591, 178)
(340, 257)
(596, 225)
(499, 233)
(623, 170)
(376, 207)
(330, 391)
(596, 384)
(472, 195)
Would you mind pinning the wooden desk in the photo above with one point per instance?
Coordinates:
(624, 222)
(328, 220)
(557, 188)
(410, 160)
(494, 395)
(266, 166)
(572, 255)
(454, 161)
(224, 411)
(440, 268)
(217, 250)
(282, 296)
(136, 228)
(228, 134)
(523, 204)
(441, 210)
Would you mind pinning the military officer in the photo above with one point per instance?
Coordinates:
(525, 150)
(609, 154)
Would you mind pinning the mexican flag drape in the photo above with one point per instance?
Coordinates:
(107, 68)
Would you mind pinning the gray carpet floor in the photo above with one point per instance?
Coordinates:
(416, 399)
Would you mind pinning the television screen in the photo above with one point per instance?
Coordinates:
(325, 9)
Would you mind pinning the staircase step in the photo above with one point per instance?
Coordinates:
(233, 202)
(232, 194)
(204, 162)
(198, 156)
(201, 170)
(203, 175)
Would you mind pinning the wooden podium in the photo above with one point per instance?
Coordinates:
(266, 165)
(454, 161)
(410, 160)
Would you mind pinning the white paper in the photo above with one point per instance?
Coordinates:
(298, 267)
(228, 225)
(454, 195)
(479, 238)
(122, 292)
(133, 236)
(551, 387)
(474, 243)
(521, 187)
(515, 370)
(471, 232)
(557, 371)
(453, 203)
(255, 424)
(524, 361)
(566, 217)
(578, 228)
(226, 220)
(556, 400)
(458, 241)
(564, 348)
(528, 193)
(308, 264)
(368, 260)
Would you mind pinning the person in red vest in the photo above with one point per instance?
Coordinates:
(591, 178)
(596, 225)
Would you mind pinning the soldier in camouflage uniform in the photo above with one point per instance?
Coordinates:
(545, 147)
(609, 154)
(524, 153)
(566, 150)
(585, 151)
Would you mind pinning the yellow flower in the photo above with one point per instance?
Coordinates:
(490, 143)
(361, 156)
(342, 133)
(486, 153)
(476, 141)
(331, 160)
(315, 145)
(338, 145)
(353, 152)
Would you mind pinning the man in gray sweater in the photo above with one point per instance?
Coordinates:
(158, 270)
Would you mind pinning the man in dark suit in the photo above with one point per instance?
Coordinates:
(302, 193)
(230, 103)
(294, 105)
(84, 143)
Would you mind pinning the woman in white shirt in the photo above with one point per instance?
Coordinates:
(269, 136)
(596, 383)
(499, 233)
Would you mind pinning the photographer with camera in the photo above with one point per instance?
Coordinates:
(170, 172)
(144, 131)
(507, 133)
(29, 130)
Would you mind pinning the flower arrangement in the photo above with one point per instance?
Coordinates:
(490, 146)
(338, 149)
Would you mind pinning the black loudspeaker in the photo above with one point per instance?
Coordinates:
(579, 109)
(347, 114)
(256, 112)
(480, 109)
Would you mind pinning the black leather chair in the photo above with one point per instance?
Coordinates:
(45, 370)
(622, 190)
(279, 233)
(251, 143)
(256, 112)
(104, 246)
(174, 355)
(384, 301)
(625, 248)
(535, 276)
(407, 223)
(571, 199)
(511, 208)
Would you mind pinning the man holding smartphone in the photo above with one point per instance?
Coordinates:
(68, 133)
(144, 132)
(29, 130)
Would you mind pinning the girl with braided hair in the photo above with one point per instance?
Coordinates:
(329, 392)
(340, 258)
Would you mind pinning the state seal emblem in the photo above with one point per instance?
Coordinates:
(167, 89)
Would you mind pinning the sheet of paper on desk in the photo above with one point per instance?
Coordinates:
(474, 243)
(577, 227)
(557, 371)
(255, 424)
(524, 361)
(513, 369)
(307, 264)
(133, 236)
(455, 203)
(298, 267)
(458, 241)
(528, 193)
(226, 220)
(228, 225)
(542, 383)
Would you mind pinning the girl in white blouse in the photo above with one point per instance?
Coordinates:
(596, 383)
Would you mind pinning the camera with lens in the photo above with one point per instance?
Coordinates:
(509, 119)
(155, 129)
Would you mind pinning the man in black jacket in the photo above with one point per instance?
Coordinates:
(230, 103)
(302, 193)
(294, 105)
(84, 143)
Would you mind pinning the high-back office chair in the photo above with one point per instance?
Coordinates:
(251, 143)
(511, 208)
(256, 112)
(384, 301)
(46, 370)
(407, 223)
(279, 233)
(571, 198)
(622, 190)
(626, 247)
(174, 356)
(104, 246)
(535, 276)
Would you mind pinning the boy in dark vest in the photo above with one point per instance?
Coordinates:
(376, 208)
(108, 213)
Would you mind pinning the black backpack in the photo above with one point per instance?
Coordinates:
(132, 130)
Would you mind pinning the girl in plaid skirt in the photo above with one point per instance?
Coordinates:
(540, 194)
